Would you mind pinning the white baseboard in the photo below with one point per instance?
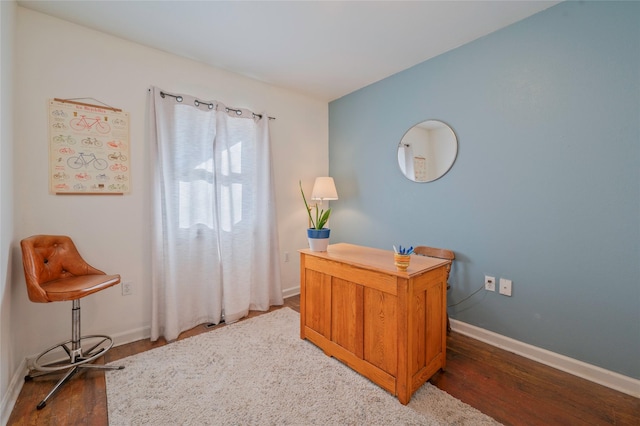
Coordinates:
(13, 391)
(288, 292)
(131, 336)
(578, 368)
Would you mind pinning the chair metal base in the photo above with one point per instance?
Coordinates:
(71, 355)
(68, 375)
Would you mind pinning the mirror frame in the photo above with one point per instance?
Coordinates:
(449, 160)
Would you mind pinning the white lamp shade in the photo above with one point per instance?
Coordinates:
(324, 189)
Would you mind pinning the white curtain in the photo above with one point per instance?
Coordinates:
(405, 160)
(215, 241)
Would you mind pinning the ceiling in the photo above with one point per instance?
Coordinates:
(325, 49)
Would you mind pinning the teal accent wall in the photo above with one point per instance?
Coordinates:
(545, 190)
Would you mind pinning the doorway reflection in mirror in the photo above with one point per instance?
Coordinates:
(427, 151)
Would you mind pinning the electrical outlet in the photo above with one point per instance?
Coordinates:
(505, 286)
(127, 288)
(489, 283)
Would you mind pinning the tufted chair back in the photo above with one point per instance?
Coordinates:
(55, 271)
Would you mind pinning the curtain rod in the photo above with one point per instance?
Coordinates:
(211, 105)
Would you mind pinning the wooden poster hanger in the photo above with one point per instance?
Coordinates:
(74, 101)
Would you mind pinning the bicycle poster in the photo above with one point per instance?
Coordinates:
(88, 149)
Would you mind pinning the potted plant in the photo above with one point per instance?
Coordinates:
(317, 234)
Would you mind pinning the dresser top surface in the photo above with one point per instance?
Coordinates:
(373, 258)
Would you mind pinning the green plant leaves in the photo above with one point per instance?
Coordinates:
(321, 216)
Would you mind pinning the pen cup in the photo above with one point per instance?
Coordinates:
(401, 261)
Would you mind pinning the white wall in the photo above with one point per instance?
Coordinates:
(10, 360)
(57, 59)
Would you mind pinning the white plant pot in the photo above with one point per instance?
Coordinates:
(318, 244)
(318, 239)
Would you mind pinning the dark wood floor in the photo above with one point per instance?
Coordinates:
(507, 387)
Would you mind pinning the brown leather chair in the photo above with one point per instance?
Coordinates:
(441, 254)
(55, 272)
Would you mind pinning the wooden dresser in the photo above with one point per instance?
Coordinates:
(389, 326)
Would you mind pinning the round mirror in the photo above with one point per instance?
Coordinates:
(427, 151)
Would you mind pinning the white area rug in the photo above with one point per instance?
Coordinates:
(259, 372)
